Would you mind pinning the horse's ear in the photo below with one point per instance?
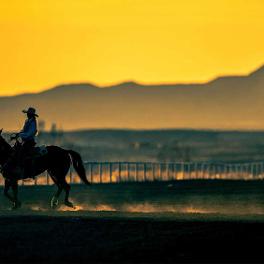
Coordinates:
(1, 130)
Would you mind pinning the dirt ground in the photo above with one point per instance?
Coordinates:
(183, 222)
(131, 240)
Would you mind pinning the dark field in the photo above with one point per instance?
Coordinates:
(184, 221)
(161, 145)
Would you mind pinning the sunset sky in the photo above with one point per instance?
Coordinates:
(46, 43)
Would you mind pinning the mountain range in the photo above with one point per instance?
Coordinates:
(230, 102)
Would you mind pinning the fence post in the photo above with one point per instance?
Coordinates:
(230, 171)
(203, 170)
(240, 171)
(237, 171)
(160, 171)
(119, 172)
(91, 171)
(221, 170)
(213, 171)
(252, 170)
(224, 172)
(128, 171)
(110, 171)
(261, 170)
(136, 170)
(203, 167)
(172, 171)
(183, 170)
(227, 171)
(189, 170)
(153, 171)
(209, 171)
(247, 171)
(196, 170)
(145, 171)
(257, 169)
(168, 171)
(244, 172)
(100, 173)
(175, 171)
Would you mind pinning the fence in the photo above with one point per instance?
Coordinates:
(115, 172)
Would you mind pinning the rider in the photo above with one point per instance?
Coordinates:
(27, 134)
(29, 131)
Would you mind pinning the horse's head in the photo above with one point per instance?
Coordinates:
(1, 137)
(2, 140)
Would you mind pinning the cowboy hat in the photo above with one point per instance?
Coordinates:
(31, 111)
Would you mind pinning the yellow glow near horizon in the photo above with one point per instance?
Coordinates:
(45, 43)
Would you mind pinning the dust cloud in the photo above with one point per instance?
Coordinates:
(154, 208)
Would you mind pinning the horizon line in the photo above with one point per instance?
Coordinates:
(109, 86)
(221, 130)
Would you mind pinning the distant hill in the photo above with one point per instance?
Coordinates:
(232, 102)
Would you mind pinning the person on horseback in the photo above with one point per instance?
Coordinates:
(27, 134)
(56, 162)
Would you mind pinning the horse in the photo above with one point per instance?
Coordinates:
(56, 162)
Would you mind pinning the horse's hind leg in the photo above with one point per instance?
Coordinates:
(67, 189)
(55, 198)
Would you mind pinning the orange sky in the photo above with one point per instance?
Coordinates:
(45, 43)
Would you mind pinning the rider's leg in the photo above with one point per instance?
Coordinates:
(21, 159)
(26, 160)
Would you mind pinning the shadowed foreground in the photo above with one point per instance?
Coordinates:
(108, 239)
(185, 221)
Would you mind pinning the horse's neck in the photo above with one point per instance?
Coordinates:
(4, 156)
(3, 159)
(8, 148)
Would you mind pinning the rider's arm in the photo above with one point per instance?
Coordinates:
(23, 129)
(22, 132)
(31, 131)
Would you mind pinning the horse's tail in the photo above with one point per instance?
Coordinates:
(78, 165)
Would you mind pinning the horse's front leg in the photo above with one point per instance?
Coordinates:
(14, 187)
(6, 189)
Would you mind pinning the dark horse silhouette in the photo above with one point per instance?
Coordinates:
(57, 162)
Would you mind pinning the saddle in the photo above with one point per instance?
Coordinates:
(27, 167)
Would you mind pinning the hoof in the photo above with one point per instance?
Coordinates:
(16, 205)
(69, 204)
(54, 203)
